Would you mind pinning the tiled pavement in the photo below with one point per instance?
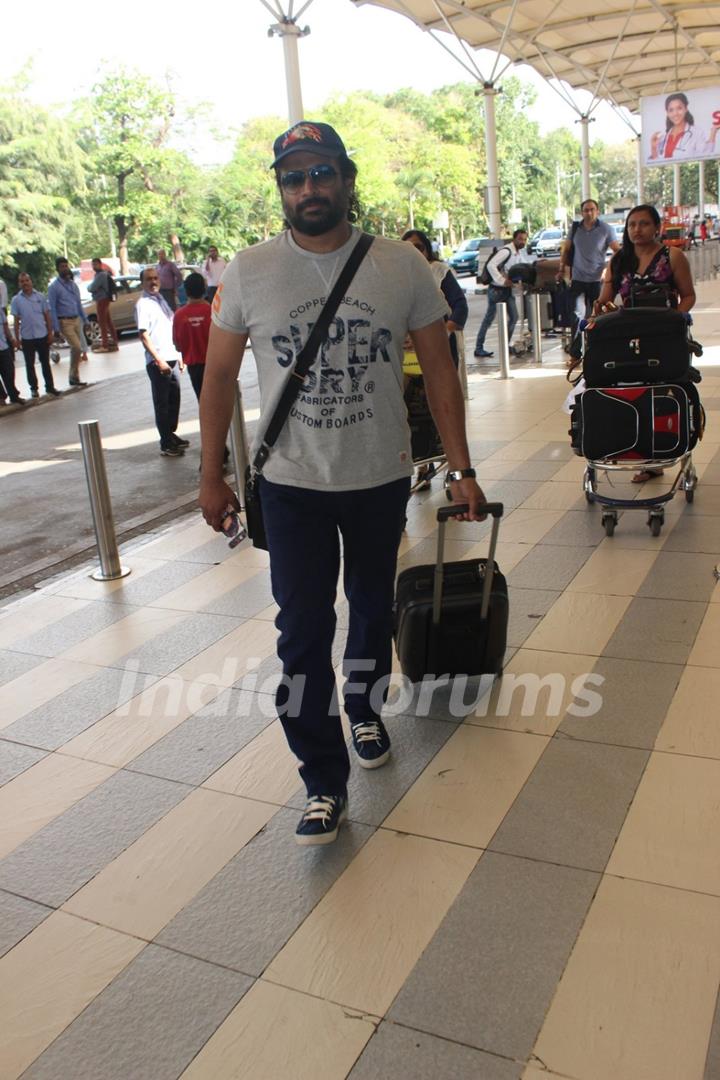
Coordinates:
(529, 889)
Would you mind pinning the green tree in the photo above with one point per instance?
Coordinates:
(128, 128)
(41, 173)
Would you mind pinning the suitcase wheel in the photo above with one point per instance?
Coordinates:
(609, 520)
(655, 521)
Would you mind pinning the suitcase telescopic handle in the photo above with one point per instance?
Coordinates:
(496, 511)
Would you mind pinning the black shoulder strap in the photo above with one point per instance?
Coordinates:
(309, 351)
(505, 247)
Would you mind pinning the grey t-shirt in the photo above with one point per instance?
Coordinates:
(590, 246)
(348, 427)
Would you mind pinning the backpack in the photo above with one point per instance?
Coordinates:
(484, 277)
(111, 286)
(571, 250)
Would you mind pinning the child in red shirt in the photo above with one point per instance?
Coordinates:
(191, 328)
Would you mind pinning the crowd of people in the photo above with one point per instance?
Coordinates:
(43, 321)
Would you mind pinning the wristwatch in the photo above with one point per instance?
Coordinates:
(459, 474)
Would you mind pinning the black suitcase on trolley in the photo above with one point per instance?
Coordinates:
(636, 345)
(658, 423)
(451, 618)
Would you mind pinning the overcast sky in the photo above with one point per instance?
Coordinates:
(220, 52)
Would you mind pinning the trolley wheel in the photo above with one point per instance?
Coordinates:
(609, 522)
(655, 521)
(689, 495)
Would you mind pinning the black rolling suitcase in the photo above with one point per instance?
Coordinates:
(637, 345)
(451, 618)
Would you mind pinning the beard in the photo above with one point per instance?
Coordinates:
(317, 214)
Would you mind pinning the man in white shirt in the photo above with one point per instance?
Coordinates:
(500, 290)
(162, 361)
(213, 270)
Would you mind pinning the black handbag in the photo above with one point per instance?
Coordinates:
(252, 504)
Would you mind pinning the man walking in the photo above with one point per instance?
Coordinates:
(213, 271)
(33, 332)
(584, 252)
(500, 289)
(170, 279)
(102, 290)
(162, 363)
(67, 315)
(341, 465)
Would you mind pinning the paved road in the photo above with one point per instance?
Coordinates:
(43, 491)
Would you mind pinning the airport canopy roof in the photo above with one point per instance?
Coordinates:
(620, 52)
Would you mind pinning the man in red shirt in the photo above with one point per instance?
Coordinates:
(191, 327)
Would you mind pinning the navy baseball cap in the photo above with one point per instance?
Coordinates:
(308, 135)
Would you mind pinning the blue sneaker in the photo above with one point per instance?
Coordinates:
(321, 820)
(371, 742)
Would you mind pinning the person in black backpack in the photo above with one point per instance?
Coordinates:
(584, 254)
(500, 286)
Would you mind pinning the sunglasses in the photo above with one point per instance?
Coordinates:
(322, 176)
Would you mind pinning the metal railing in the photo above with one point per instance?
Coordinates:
(704, 260)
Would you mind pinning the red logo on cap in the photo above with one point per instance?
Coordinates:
(302, 131)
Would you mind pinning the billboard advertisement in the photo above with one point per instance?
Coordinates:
(681, 126)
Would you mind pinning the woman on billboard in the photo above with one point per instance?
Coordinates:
(681, 139)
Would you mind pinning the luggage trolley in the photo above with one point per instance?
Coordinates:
(686, 480)
(425, 442)
(639, 409)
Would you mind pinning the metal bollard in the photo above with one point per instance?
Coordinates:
(503, 342)
(110, 566)
(238, 445)
(536, 327)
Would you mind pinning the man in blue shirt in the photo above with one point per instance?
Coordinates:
(589, 241)
(66, 312)
(33, 331)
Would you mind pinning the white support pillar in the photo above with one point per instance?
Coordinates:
(289, 31)
(640, 184)
(701, 190)
(584, 122)
(493, 186)
(676, 184)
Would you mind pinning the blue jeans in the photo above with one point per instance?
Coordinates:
(303, 530)
(495, 296)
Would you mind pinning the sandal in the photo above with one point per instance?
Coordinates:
(646, 474)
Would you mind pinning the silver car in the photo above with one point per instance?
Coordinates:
(122, 308)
